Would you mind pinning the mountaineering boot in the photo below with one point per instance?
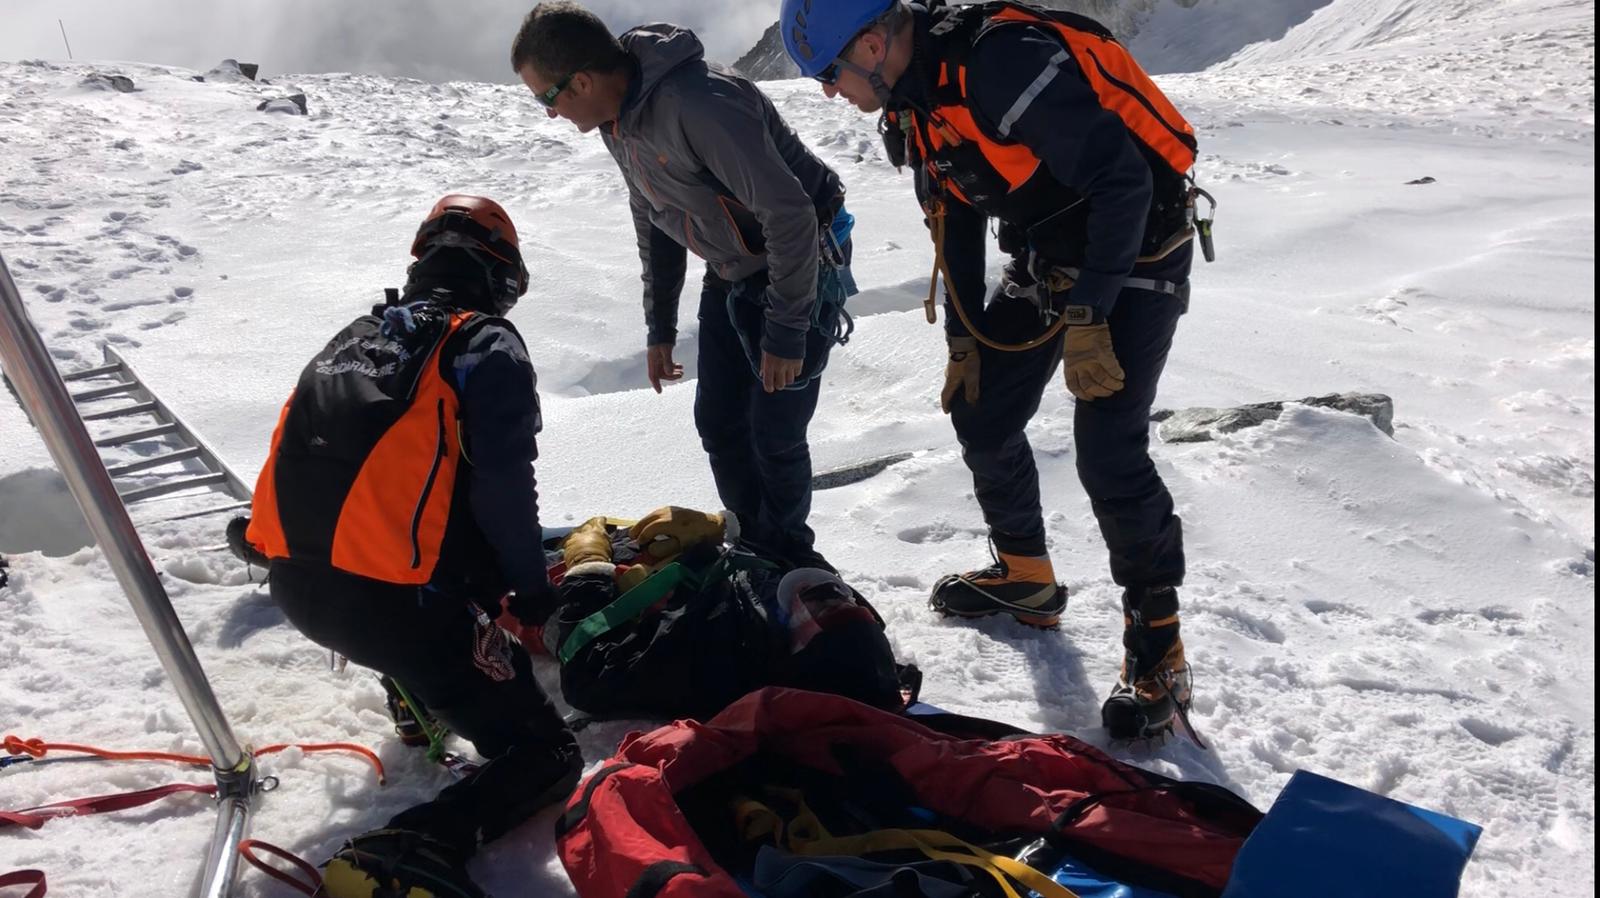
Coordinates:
(587, 550)
(1155, 682)
(397, 863)
(523, 782)
(408, 721)
(1023, 586)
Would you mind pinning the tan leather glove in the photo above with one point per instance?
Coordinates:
(590, 545)
(961, 372)
(668, 531)
(1090, 364)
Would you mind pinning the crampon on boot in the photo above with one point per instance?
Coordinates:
(1155, 683)
(408, 725)
(1022, 586)
(397, 863)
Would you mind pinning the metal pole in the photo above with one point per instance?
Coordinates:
(45, 398)
(64, 38)
(222, 859)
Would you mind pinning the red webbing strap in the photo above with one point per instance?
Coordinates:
(33, 878)
(33, 818)
(38, 748)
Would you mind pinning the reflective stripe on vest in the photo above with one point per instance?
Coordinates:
(1119, 83)
(1122, 86)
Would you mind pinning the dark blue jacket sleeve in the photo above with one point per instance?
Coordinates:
(1084, 145)
(500, 412)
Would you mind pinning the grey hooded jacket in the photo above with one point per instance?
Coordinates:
(711, 167)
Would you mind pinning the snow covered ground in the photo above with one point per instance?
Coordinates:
(1414, 615)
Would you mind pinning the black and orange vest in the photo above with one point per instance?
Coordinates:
(960, 156)
(364, 461)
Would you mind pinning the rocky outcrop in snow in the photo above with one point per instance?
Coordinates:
(1199, 425)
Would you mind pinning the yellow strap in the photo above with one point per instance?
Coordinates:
(757, 822)
(806, 835)
(930, 842)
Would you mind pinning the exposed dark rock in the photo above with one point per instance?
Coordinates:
(227, 70)
(122, 84)
(864, 470)
(767, 60)
(291, 105)
(1198, 425)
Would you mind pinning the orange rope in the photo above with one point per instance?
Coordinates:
(310, 748)
(38, 748)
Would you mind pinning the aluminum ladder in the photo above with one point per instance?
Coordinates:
(126, 417)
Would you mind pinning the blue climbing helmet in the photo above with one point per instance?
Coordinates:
(815, 32)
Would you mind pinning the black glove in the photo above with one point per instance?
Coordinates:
(533, 606)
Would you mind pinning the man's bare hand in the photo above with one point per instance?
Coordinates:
(777, 373)
(660, 365)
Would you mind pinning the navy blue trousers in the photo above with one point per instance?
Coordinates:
(755, 440)
(1111, 436)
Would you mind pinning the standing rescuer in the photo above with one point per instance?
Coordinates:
(1040, 120)
(398, 505)
(712, 168)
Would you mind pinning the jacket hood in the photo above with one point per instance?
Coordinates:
(659, 49)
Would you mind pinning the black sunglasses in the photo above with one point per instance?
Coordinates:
(829, 75)
(548, 98)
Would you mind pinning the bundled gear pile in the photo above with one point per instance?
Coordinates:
(788, 793)
(665, 617)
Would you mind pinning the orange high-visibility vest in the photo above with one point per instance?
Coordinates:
(364, 459)
(981, 166)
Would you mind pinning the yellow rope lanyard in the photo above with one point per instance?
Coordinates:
(935, 210)
(804, 834)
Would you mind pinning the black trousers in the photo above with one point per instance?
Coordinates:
(755, 440)
(1143, 535)
(467, 674)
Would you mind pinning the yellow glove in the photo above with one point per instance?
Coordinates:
(589, 544)
(961, 372)
(668, 531)
(1090, 364)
